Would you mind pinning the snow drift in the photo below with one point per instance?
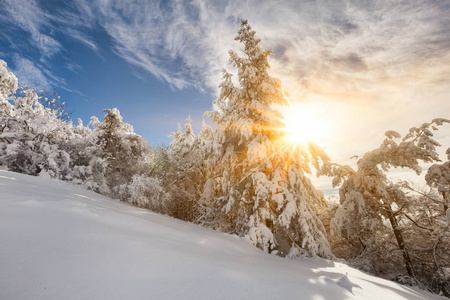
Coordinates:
(59, 241)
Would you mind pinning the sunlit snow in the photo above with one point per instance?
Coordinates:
(59, 241)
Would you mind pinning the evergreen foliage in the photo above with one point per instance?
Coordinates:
(261, 190)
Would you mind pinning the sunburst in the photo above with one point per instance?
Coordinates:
(305, 123)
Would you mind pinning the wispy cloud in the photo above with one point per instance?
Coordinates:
(83, 38)
(38, 77)
(42, 25)
(28, 15)
(374, 65)
(328, 48)
(324, 48)
(75, 68)
(30, 75)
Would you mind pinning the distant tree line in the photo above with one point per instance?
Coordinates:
(240, 176)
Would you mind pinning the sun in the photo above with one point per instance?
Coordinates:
(305, 123)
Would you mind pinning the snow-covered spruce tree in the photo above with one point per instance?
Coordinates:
(112, 160)
(88, 165)
(121, 149)
(114, 152)
(260, 189)
(369, 200)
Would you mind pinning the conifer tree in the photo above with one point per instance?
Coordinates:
(120, 147)
(260, 189)
(114, 154)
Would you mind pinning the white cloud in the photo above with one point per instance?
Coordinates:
(28, 15)
(29, 75)
(42, 25)
(83, 38)
(329, 48)
(75, 68)
(36, 76)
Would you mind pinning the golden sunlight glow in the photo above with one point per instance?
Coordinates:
(306, 122)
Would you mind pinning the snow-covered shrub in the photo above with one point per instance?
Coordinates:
(185, 172)
(145, 192)
(92, 176)
(441, 282)
(405, 280)
(438, 176)
(425, 231)
(19, 156)
(30, 134)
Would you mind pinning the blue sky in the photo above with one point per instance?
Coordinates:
(82, 66)
(361, 67)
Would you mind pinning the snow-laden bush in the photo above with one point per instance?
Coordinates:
(186, 170)
(441, 282)
(406, 280)
(30, 133)
(145, 192)
(438, 176)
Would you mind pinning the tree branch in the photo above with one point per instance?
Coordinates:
(434, 252)
(415, 223)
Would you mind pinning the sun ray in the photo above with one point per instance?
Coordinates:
(305, 123)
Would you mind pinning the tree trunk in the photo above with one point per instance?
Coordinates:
(401, 243)
(444, 195)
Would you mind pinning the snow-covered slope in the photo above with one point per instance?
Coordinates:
(58, 241)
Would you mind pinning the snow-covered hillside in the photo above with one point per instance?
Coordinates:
(58, 241)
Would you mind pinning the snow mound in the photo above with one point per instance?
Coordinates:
(342, 281)
(59, 241)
